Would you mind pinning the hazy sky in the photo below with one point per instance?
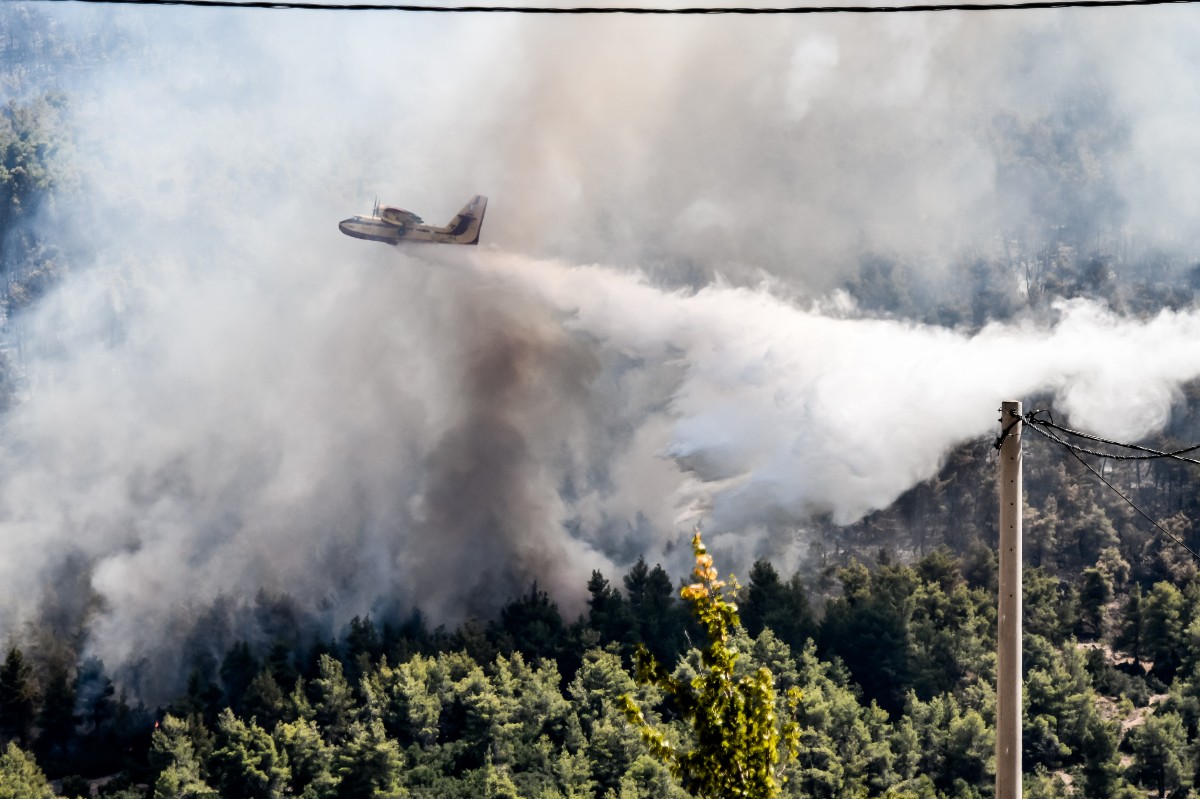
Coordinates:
(227, 396)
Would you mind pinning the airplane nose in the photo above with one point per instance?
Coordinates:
(353, 228)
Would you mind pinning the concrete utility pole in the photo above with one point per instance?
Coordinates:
(1008, 637)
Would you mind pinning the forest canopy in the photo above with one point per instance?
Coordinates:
(861, 645)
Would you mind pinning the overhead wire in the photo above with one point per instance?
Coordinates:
(1038, 425)
(646, 10)
(1151, 454)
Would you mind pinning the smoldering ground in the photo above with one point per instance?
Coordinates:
(227, 400)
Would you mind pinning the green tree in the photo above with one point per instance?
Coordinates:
(867, 628)
(20, 777)
(57, 718)
(34, 155)
(612, 745)
(369, 764)
(408, 699)
(310, 759)
(647, 778)
(845, 749)
(1101, 768)
(238, 669)
(1049, 605)
(951, 634)
(608, 612)
(18, 697)
(362, 646)
(1157, 747)
(179, 767)
(94, 692)
(781, 607)
(737, 732)
(1095, 593)
(1129, 634)
(332, 700)
(203, 698)
(531, 721)
(573, 775)
(1044, 785)
(980, 568)
(657, 614)
(264, 700)
(954, 743)
(281, 665)
(532, 625)
(1163, 623)
(1042, 530)
(76, 787)
(1059, 704)
(246, 763)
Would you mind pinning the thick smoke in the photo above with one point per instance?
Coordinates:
(782, 409)
(227, 401)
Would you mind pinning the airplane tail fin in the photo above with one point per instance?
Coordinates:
(465, 225)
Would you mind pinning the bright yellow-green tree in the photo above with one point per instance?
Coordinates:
(739, 744)
(20, 777)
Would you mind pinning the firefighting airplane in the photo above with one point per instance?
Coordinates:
(394, 225)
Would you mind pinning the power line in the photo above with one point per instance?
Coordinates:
(1152, 454)
(641, 10)
(1037, 427)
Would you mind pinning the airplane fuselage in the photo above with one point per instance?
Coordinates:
(394, 225)
(371, 228)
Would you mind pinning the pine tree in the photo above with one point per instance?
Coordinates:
(1094, 596)
(310, 759)
(781, 607)
(20, 777)
(179, 765)
(57, 718)
(1157, 746)
(657, 616)
(333, 701)
(94, 693)
(264, 700)
(532, 625)
(246, 763)
(369, 764)
(238, 669)
(1129, 635)
(18, 697)
(608, 612)
(1163, 623)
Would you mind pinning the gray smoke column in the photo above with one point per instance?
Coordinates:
(226, 399)
(491, 515)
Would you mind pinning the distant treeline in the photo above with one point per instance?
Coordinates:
(897, 678)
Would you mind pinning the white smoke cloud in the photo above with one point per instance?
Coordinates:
(226, 396)
(791, 409)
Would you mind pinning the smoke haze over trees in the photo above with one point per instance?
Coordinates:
(764, 278)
